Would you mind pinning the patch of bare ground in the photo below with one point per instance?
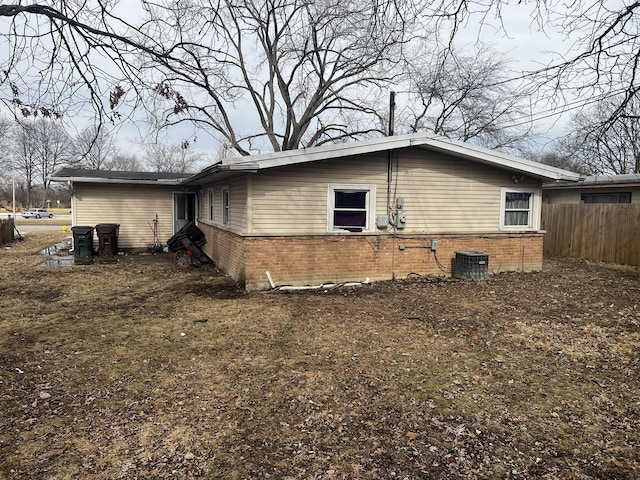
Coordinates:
(141, 369)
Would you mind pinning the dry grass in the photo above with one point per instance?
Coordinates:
(144, 370)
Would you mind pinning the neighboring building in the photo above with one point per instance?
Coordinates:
(596, 219)
(130, 199)
(371, 210)
(595, 189)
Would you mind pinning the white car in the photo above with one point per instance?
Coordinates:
(37, 213)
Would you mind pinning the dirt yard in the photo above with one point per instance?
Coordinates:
(143, 370)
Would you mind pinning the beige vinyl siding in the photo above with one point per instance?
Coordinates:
(238, 204)
(563, 196)
(133, 207)
(293, 200)
(238, 217)
(442, 194)
(450, 195)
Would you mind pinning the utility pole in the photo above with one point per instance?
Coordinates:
(13, 188)
(392, 108)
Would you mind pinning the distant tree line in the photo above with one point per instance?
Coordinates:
(32, 149)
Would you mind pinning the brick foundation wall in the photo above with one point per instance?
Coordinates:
(313, 260)
(226, 249)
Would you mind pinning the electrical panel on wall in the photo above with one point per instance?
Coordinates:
(399, 216)
(382, 221)
(401, 219)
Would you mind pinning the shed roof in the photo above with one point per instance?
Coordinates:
(81, 175)
(425, 141)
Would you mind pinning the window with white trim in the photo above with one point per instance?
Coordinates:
(519, 209)
(351, 208)
(225, 206)
(210, 204)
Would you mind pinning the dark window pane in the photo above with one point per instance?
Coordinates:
(618, 197)
(517, 200)
(181, 207)
(351, 199)
(346, 218)
(225, 207)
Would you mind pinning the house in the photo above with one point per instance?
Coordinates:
(371, 210)
(595, 189)
(130, 199)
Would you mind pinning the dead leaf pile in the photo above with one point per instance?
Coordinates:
(143, 370)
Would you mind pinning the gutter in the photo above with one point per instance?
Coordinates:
(166, 182)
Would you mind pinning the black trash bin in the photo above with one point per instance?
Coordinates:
(82, 244)
(190, 231)
(107, 239)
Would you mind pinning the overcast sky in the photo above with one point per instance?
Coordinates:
(523, 43)
(527, 46)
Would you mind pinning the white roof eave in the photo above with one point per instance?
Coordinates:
(166, 182)
(379, 145)
(495, 158)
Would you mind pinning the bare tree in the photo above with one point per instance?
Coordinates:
(559, 159)
(600, 53)
(257, 75)
(280, 74)
(60, 56)
(39, 148)
(94, 148)
(172, 158)
(467, 98)
(615, 150)
(124, 162)
(5, 134)
(6, 129)
(6, 165)
(54, 148)
(25, 157)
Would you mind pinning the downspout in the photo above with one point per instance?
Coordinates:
(392, 106)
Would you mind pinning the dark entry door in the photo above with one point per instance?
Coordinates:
(184, 209)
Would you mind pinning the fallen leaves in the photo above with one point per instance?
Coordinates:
(522, 376)
(623, 464)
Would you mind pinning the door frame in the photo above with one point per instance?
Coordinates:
(189, 207)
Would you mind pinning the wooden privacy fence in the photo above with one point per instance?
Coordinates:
(598, 232)
(6, 230)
